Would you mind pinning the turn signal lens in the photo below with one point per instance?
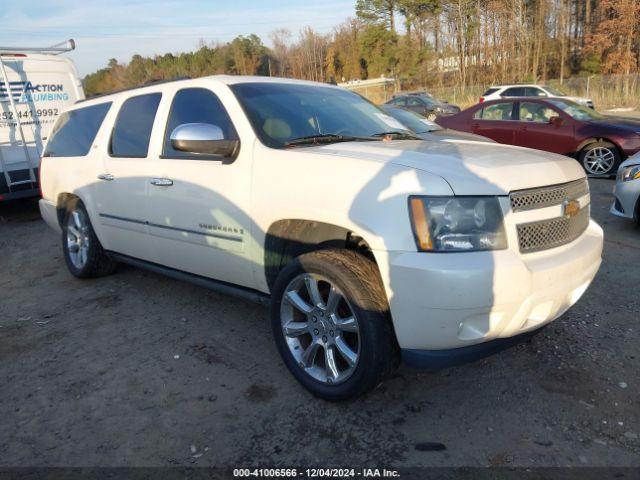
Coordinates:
(420, 225)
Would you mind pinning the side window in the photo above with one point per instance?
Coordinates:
(414, 102)
(497, 111)
(536, 112)
(132, 131)
(400, 101)
(534, 92)
(514, 92)
(75, 131)
(196, 105)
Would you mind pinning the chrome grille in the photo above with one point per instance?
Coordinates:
(548, 196)
(552, 232)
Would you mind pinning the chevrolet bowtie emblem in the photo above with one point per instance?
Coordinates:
(570, 208)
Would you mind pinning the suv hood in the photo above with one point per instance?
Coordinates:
(470, 167)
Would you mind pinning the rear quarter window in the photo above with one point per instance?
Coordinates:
(490, 91)
(75, 131)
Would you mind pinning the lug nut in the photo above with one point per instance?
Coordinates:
(315, 319)
(316, 331)
(324, 338)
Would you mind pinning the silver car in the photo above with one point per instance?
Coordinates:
(627, 189)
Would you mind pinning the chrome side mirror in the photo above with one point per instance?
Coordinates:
(203, 138)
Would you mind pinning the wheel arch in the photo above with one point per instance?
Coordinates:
(289, 238)
(591, 140)
(62, 202)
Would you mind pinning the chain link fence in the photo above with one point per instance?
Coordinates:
(607, 91)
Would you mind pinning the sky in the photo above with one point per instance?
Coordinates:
(105, 29)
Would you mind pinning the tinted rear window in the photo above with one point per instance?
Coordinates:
(75, 131)
(132, 131)
(490, 91)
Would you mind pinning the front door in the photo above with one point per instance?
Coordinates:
(198, 215)
(121, 188)
(535, 129)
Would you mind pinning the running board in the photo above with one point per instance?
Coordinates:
(215, 285)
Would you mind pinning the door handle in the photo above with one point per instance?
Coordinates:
(161, 182)
(106, 177)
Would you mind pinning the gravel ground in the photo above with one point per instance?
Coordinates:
(137, 369)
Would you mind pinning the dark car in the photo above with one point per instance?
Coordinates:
(426, 129)
(556, 125)
(423, 104)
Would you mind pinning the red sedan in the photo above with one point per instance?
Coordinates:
(556, 125)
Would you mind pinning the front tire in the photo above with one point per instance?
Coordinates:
(600, 159)
(331, 323)
(83, 253)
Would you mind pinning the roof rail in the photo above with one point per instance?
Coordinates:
(126, 89)
(56, 49)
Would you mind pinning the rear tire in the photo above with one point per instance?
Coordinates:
(350, 357)
(600, 159)
(82, 250)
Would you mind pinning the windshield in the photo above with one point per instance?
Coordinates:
(554, 91)
(415, 122)
(282, 112)
(577, 111)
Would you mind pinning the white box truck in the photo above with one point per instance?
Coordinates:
(36, 85)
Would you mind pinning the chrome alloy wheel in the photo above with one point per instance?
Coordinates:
(78, 238)
(320, 328)
(599, 160)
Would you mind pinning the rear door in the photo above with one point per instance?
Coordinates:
(535, 129)
(495, 121)
(198, 203)
(514, 92)
(121, 188)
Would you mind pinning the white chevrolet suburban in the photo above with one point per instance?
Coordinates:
(371, 245)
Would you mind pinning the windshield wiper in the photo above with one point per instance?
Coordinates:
(327, 138)
(397, 135)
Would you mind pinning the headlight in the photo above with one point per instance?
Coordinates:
(632, 172)
(442, 224)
